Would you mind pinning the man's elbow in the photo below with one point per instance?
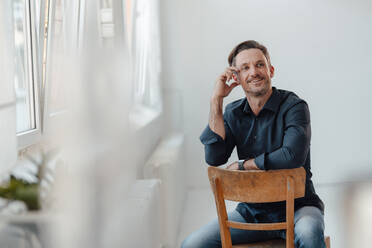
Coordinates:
(215, 157)
(215, 161)
(295, 159)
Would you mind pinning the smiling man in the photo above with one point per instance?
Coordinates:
(270, 129)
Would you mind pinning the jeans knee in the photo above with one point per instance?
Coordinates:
(186, 244)
(199, 242)
(309, 233)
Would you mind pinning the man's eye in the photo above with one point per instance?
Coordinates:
(260, 65)
(245, 68)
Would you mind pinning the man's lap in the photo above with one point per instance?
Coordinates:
(307, 219)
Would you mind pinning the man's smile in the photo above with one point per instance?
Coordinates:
(256, 81)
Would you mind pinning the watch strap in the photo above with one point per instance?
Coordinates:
(241, 164)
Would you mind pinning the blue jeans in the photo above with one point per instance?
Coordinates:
(309, 231)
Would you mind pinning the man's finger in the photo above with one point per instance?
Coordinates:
(234, 69)
(228, 75)
(234, 84)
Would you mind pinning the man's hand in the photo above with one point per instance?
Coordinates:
(233, 166)
(222, 89)
(248, 165)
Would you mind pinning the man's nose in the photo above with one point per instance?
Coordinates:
(253, 71)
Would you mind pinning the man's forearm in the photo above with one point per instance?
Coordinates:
(216, 123)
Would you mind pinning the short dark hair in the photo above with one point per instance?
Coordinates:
(248, 44)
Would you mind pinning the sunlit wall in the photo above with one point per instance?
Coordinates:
(320, 50)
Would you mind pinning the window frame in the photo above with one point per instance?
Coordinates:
(51, 117)
(32, 136)
(143, 111)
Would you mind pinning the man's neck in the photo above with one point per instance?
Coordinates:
(257, 102)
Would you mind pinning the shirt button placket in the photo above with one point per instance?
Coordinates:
(255, 128)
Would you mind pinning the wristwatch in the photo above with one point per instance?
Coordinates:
(241, 164)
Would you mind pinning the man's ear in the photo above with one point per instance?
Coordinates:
(272, 69)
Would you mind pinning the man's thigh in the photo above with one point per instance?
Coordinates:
(209, 235)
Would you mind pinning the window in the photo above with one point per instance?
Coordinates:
(65, 23)
(25, 76)
(147, 54)
(107, 27)
(55, 88)
(23, 80)
(145, 49)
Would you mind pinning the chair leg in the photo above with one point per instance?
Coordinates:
(327, 241)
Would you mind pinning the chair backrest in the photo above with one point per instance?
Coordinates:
(256, 187)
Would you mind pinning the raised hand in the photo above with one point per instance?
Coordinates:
(222, 89)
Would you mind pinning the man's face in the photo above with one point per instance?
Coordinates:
(255, 71)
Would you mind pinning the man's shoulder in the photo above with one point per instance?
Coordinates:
(289, 98)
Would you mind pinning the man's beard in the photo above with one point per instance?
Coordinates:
(262, 91)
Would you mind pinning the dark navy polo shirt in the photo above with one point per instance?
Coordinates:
(277, 138)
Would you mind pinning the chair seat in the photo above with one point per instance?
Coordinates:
(274, 243)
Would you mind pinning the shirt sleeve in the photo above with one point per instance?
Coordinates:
(296, 141)
(217, 150)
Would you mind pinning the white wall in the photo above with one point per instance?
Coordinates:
(320, 49)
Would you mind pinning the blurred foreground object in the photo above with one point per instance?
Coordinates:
(22, 191)
(30, 181)
(358, 204)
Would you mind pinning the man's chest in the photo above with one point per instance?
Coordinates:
(257, 134)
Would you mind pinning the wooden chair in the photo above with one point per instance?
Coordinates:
(258, 187)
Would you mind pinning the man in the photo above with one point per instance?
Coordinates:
(271, 130)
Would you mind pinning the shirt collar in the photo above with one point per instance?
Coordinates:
(271, 104)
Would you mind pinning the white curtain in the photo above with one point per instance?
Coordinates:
(93, 132)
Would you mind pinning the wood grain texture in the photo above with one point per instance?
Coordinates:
(257, 186)
(290, 212)
(327, 240)
(254, 226)
(221, 209)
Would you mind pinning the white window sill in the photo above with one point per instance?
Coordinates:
(141, 116)
(28, 138)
